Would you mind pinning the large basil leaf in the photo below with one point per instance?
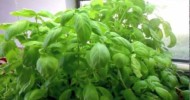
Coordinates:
(99, 55)
(82, 27)
(47, 66)
(16, 28)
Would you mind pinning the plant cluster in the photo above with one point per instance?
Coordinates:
(103, 51)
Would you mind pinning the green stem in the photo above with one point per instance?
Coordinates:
(78, 53)
(121, 79)
(36, 20)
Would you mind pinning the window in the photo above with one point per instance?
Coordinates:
(176, 12)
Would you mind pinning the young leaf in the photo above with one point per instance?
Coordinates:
(167, 28)
(173, 40)
(99, 55)
(52, 36)
(16, 28)
(82, 27)
(67, 16)
(24, 13)
(4, 26)
(45, 13)
(90, 92)
(136, 66)
(154, 35)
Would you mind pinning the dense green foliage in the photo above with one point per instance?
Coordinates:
(102, 51)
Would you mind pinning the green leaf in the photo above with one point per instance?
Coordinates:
(139, 3)
(24, 13)
(12, 56)
(102, 72)
(52, 36)
(6, 46)
(105, 92)
(173, 40)
(31, 55)
(149, 8)
(27, 86)
(167, 28)
(104, 98)
(155, 22)
(144, 69)
(149, 96)
(163, 60)
(82, 27)
(136, 66)
(25, 80)
(35, 94)
(168, 32)
(140, 49)
(95, 28)
(154, 35)
(138, 35)
(67, 16)
(122, 41)
(120, 60)
(163, 93)
(16, 28)
(129, 95)
(140, 86)
(65, 95)
(47, 66)
(45, 13)
(33, 43)
(4, 26)
(90, 92)
(184, 80)
(186, 94)
(103, 27)
(99, 55)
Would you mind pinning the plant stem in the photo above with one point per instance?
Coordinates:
(78, 53)
(120, 77)
(36, 20)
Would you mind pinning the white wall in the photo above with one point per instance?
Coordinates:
(6, 6)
